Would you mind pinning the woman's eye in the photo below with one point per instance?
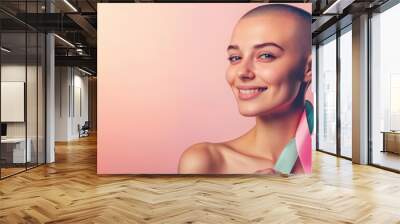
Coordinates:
(233, 58)
(266, 56)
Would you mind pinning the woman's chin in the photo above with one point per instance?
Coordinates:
(246, 112)
(255, 111)
(252, 108)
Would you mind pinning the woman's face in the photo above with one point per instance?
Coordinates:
(267, 59)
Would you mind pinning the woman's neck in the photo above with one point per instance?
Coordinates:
(273, 132)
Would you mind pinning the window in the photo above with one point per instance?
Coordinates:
(326, 135)
(346, 92)
(385, 89)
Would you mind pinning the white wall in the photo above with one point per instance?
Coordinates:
(62, 81)
(70, 84)
(16, 72)
(9, 73)
(34, 125)
(80, 84)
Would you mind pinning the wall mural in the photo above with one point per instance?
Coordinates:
(204, 88)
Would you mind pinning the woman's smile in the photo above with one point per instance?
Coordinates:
(250, 92)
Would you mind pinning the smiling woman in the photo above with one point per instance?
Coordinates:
(269, 73)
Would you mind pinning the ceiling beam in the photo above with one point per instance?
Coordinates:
(84, 24)
(84, 61)
(338, 6)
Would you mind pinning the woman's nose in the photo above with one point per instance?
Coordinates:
(245, 72)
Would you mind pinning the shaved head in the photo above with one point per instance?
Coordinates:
(301, 17)
(261, 10)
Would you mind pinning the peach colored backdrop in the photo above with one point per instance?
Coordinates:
(161, 83)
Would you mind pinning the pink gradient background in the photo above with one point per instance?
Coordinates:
(161, 83)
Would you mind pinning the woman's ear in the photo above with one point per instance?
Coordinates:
(308, 70)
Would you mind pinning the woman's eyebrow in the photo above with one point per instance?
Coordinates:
(232, 47)
(257, 46)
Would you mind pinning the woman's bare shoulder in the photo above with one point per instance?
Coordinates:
(199, 158)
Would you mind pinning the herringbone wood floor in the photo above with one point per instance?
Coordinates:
(69, 191)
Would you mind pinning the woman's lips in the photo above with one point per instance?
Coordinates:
(250, 92)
